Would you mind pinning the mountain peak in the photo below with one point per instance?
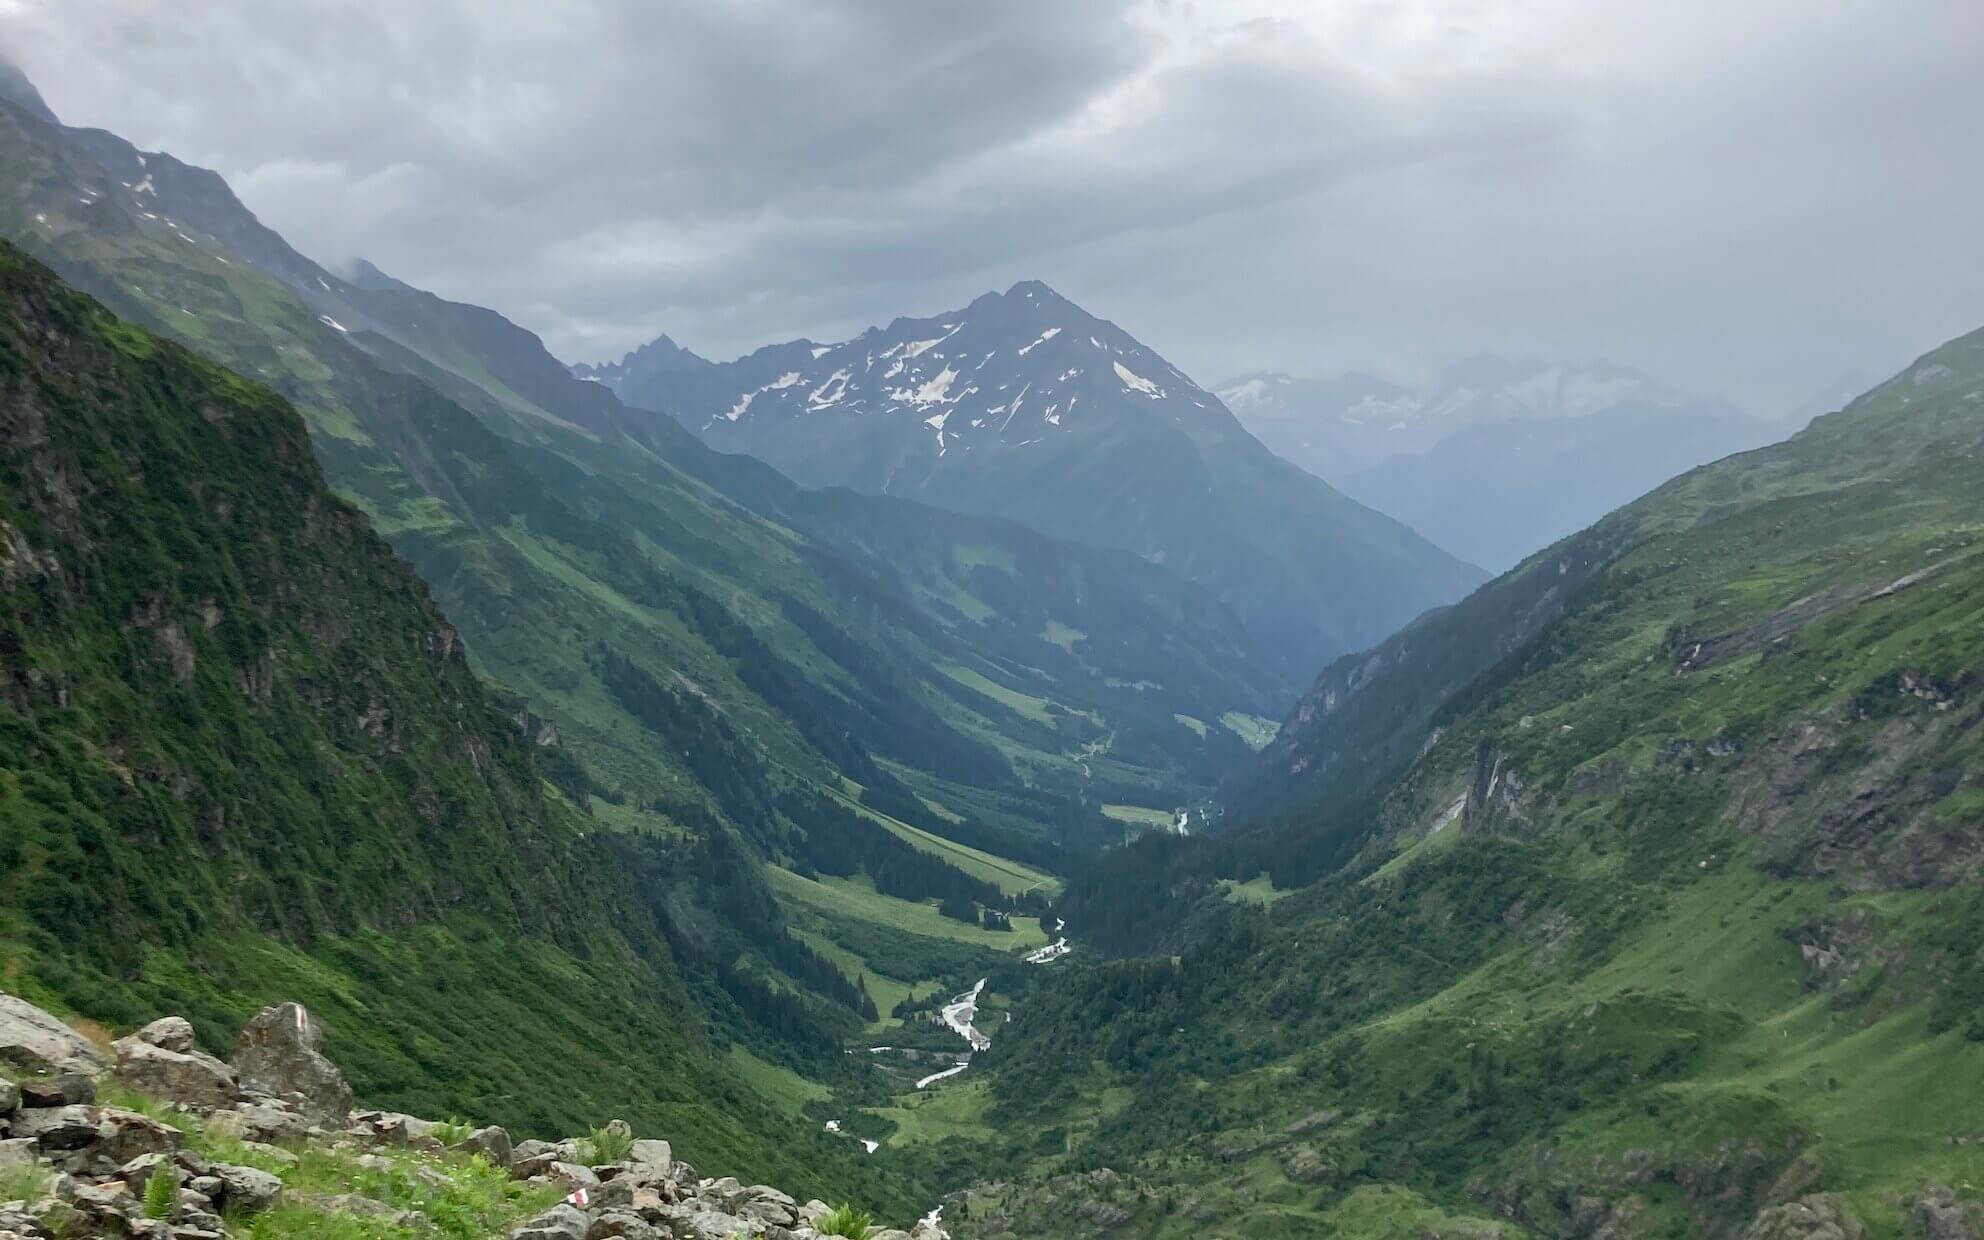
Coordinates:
(366, 276)
(16, 88)
(1036, 288)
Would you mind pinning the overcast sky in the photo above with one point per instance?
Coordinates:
(1746, 197)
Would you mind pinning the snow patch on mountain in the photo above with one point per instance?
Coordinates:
(1136, 382)
(1039, 340)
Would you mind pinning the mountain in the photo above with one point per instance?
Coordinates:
(1331, 427)
(648, 364)
(1637, 894)
(833, 749)
(242, 753)
(534, 501)
(1024, 406)
(1497, 458)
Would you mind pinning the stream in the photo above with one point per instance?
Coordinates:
(958, 1016)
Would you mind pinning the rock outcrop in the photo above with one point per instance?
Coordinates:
(33, 1041)
(91, 1169)
(281, 1052)
(162, 1060)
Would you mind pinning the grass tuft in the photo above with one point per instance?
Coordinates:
(845, 1220)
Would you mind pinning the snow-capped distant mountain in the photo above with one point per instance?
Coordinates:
(1025, 406)
(1497, 458)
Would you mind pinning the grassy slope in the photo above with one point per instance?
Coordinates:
(245, 758)
(1704, 941)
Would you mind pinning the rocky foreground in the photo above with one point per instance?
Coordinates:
(267, 1143)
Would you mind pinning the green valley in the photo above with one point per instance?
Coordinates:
(1668, 926)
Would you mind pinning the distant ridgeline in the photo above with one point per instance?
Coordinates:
(1641, 893)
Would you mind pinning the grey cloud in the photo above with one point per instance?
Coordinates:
(1746, 199)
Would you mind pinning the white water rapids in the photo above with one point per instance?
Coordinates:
(957, 1016)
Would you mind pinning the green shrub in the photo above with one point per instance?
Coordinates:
(162, 1194)
(452, 1131)
(845, 1220)
(610, 1144)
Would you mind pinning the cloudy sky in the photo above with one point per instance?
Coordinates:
(1746, 197)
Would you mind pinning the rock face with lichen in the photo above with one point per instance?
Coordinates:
(281, 1052)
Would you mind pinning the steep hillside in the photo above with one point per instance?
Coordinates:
(242, 755)
(1668, 926)
(1368, 712)
(1023, 405)
(1495, 459)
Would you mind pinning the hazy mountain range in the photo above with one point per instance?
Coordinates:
(1495, 458)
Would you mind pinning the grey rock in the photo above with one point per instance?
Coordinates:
(67, 1089)
(189, 1078)
(492, 1143)
(368, 1207)
(1817, 1217)
(652, 1153)
(707, 1224)
(106, 1199)
(10, 1097)
(768, 1205)
(169, 1033)
(282, 1052)
(624, 1224)
(1938, 1215)
(16, 1152)
(123, 1135)
(560, 1222)
(262, 1121)
(35, 1041)
(728, 1190)
(139, 1171)
(247, 1189)
(572, 1175)
(58, 1128)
